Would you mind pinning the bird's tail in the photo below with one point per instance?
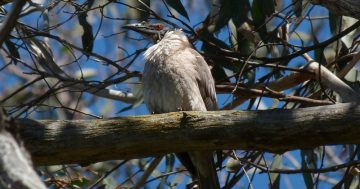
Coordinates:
(206, 171)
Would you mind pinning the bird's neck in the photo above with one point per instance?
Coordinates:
(164, 49)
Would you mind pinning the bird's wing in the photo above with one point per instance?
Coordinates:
(205, 81)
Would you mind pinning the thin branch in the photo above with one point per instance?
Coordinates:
(148, 172)
(10, 20)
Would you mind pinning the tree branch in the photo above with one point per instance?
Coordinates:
(343, 7)
(10, 20)
(87, 141)
(16, 169)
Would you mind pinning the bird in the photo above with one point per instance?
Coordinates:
(177, 78)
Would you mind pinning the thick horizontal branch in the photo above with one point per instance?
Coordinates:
(87, 141)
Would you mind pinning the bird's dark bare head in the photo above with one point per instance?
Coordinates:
(154, 31)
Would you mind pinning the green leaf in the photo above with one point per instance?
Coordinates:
(178, 6)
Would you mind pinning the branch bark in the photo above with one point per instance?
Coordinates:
(16, 169)
(87, 141)
(343, 7)
(10, 20)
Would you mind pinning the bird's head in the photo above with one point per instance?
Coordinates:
(152, 31)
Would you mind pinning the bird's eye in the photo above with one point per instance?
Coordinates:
(158, 27)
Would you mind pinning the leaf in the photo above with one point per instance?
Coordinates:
(240, 11)
(236, 10)
(211, 49)
(13, 51)
(219, 73)
(334, 22)
(137, 91)
(86, 73)
(140, 13)
(169, 162)
(353, 75)
(80, 182)
(308, 160)
(224, 14)
(275, 177)
(247, 40)
(260, 11)
(178, 6)
(349, 38)
(233, 165)
(297, 7)
(233, 35)
(90, 3)
(44, 57)
(87, 38)
(354, 183)
(319, 53)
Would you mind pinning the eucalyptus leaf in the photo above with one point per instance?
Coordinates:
(140, 13)
(308, 161)
(334, 22)
(13, 51)
(275, 177)
(237, 10)
(179, 7)
(260, 11)
(297, 7)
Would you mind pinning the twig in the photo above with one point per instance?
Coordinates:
(107, 174)
(148, 172)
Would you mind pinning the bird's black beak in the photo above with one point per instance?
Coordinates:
(153, 31)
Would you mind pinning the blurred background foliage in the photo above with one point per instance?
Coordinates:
(72, 60)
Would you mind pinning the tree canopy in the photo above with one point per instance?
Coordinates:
(69, 70)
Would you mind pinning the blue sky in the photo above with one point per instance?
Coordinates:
(108, 46)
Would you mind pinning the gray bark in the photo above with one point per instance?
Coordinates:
(87, 141)
(16, 170)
